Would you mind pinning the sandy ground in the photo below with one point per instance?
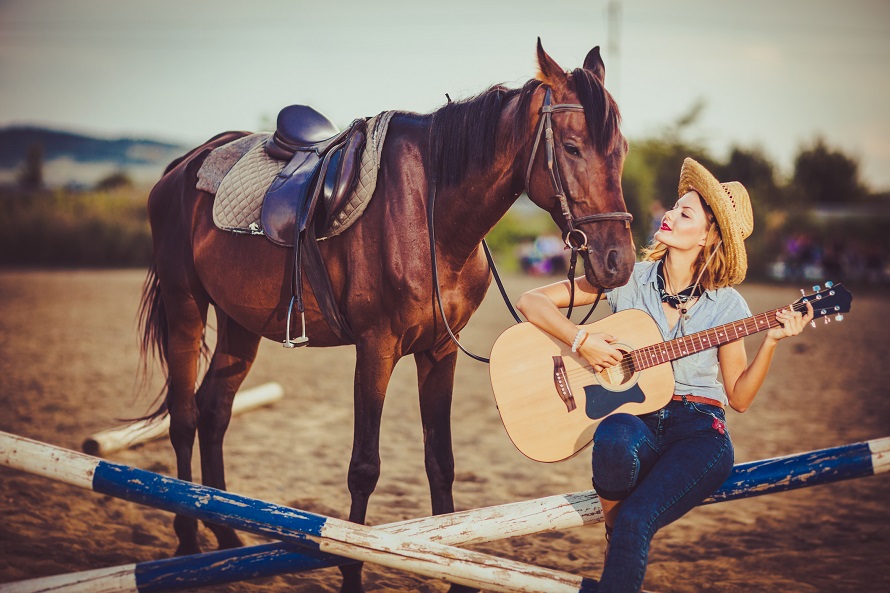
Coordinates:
(68, 361)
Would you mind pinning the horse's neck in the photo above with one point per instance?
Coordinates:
(467, 212)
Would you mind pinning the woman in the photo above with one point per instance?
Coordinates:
(652, 469)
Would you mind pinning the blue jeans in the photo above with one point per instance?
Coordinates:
(660, 466)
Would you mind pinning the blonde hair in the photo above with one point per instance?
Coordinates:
(712, 256)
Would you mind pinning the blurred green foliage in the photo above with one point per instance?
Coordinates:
(62, 228)
(823, 199)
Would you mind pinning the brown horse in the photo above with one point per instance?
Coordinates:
(483, 154)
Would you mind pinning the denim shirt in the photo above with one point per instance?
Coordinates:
(695, 374)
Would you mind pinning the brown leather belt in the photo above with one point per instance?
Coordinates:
(698, 400)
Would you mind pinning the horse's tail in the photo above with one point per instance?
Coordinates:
(152, 316)
(153, 328)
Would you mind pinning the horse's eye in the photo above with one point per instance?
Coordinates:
(572, 149)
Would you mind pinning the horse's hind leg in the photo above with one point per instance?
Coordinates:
(235, 352)
(186, 318)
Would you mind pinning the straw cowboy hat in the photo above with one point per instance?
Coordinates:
(732, 209)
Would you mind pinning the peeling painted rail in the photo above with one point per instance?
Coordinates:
(474, 526)
(322, 534)
(805, 469)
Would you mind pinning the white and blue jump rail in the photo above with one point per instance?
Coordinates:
(308, 530)
(312, 541)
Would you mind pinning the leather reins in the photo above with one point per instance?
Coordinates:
(574, 238)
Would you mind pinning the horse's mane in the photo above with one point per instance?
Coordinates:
(600, 111)
(463, 135)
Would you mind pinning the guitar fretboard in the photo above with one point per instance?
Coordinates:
(656, 354)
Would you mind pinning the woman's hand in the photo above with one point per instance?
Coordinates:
(597, 349)
(793, 323)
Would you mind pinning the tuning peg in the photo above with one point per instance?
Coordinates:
(813, 324)
(829, 284)
(802, 293)
(816, 288)
(839, 317)
(827, 320)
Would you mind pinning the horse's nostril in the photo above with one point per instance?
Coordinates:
(612, 261)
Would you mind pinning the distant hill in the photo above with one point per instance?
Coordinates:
(71, 158)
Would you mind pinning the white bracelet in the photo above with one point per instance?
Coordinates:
(578, 337)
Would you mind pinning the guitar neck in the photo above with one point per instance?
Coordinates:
(656, 354)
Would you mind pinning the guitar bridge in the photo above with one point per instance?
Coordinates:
(561, 381)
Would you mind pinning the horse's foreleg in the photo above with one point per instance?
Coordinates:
(435, 379)
(233, 357)
(373, 369)
(185, 325)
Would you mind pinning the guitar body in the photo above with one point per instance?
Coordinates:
(550, 412)
(550, 399)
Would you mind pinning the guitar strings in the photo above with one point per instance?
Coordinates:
(626, 366)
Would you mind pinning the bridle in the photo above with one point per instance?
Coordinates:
(545, 129)
(574, 238)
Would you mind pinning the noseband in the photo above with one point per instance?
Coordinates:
(574, 237)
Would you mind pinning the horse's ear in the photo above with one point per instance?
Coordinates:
(594, 63)
(549, 71)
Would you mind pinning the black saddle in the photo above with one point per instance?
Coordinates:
(300, 127)
(322, 162)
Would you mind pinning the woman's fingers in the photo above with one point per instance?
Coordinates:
(599, 352)
(809, 316)
(793, 322)
(788, 320)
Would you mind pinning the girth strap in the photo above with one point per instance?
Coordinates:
(317, 274)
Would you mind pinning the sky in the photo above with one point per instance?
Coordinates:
(772, 74)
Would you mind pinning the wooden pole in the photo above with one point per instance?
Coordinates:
(114, 439)
(317, 532)
(467, 527)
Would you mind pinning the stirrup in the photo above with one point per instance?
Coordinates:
(300, 341)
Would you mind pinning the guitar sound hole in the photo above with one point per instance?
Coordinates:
(619, 374)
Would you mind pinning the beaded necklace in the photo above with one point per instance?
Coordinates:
(678, 300)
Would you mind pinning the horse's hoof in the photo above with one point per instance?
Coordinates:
(352, 584)
(227, 541)
(462, 589)
(187, 549)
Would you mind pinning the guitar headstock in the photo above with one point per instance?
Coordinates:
(834, 299)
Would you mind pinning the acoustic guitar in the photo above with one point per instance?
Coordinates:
(550, 399)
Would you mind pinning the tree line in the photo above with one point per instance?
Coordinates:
(823, 211)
